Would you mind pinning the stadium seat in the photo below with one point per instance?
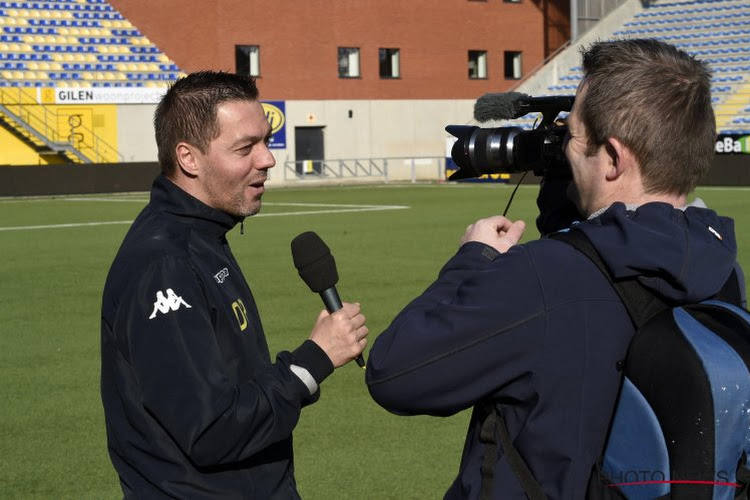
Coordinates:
(90, 35)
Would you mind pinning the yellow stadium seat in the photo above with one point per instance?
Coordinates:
(122, 76)
(164, 58)
(18, 75)
(42, 75)
(87, 75)
(46, 14)
(32, 66)
(55, 66)
(63, 30)
(34, 13)
(56, 14)
(28, 38)
(106, 23)
(44, 66)
(8, 75)
(13, 13)
(4, 47)
(72, 40)
(90, 58)
(61, 84)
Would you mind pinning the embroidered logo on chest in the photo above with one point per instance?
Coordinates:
(222, 275)
(240, 312)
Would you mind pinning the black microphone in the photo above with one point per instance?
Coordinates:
(501, 106)
(509, 105)
(317, 268)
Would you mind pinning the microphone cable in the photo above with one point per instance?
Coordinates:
(513, 194)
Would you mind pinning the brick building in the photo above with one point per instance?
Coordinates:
(360, 78)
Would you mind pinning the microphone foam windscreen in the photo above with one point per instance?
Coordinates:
(314, 262)
(497, 106)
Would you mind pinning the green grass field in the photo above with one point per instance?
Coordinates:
(55, 256)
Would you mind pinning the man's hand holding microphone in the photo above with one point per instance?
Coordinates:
(340, 330)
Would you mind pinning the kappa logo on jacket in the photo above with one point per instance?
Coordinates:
(171, 302)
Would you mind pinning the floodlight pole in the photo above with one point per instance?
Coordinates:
(573, 21)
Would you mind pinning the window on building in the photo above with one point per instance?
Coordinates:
(247, 60)
(348, 62)
(477, 64)
(513, 68)
(389, 63)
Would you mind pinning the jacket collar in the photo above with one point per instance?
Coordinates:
(166, 196)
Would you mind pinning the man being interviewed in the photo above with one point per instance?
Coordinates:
(536, 330)
(194, 407)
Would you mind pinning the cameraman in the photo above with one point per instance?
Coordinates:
(535, 329)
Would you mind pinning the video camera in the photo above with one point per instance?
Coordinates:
(480, 151)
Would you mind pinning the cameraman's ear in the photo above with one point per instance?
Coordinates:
(186, 159)
(620, 158)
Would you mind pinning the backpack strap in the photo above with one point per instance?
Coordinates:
(494, 426)
(732, 290)
(641, 303)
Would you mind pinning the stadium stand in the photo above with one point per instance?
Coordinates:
(69, 43)
(85, 43)
(716, 31)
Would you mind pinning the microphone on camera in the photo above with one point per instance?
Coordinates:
(509, 105)
(499, 106)
(317, 268)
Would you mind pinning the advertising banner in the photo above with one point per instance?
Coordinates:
(276, 115)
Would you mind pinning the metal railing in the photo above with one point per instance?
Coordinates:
(387, 169)
(41, 124)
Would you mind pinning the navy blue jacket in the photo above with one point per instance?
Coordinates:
(539, 331)
(194, 407)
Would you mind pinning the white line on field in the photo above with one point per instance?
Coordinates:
(360, 208)
(265, 203)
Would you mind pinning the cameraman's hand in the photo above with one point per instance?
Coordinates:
(341, 334)
(498, 232)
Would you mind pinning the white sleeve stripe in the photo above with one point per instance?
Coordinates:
(305, 377)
